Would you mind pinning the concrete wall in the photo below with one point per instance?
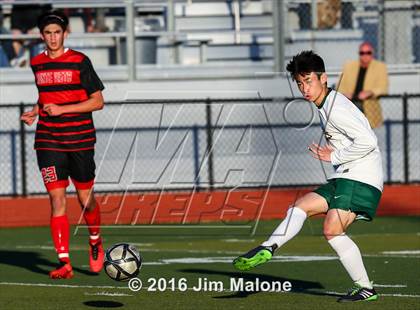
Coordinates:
(199, 88)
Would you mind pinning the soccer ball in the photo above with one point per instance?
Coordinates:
(122, 262)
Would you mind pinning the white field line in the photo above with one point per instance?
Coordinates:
(145, 288)
(87, 286)
(405, 252)
(85, 248)
(228, 260)
(63, 285)
(178, 226)
(383, 295)
(237, 240)
(391, 254)
(108, 294)
(389, 285)
(193, 251)
(400, 295)
(37, 247)
(142, 244)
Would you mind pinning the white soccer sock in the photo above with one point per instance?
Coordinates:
(351, 258)
(288, 228)
(94, 237)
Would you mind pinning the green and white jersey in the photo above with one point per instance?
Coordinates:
(356, 154)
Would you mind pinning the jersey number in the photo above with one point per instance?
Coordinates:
(48, 174)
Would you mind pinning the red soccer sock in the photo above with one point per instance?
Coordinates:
(93, 220)
(60, 230)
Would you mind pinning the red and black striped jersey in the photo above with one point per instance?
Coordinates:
(68, 79)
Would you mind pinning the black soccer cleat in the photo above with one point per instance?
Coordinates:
(358, 293)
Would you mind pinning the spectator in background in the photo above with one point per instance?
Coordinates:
(100, 25)
(93, 19)
(6, 49)
(24, 20)
(328, 13)
(363, 81)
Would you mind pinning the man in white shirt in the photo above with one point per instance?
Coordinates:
(354, 189)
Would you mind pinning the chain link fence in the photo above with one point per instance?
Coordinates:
(205, 144)
(392, 27)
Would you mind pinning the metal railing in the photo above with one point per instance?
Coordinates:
(176, 38)
(371, 20)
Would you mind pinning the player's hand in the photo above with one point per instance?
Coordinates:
(29, 117)
(321, 152)
(365, 94)
(53, 109)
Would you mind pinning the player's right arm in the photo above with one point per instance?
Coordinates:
(30, 116)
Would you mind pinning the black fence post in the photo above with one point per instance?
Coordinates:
(406, 150)
(22, 133)
(209, 151)
(13, 158)
(196, 157)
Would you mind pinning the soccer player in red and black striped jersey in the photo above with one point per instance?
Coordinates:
(69, 91)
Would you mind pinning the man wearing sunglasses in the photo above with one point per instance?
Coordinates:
(363, 81)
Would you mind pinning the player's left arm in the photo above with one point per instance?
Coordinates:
(363, 139)
(321, 152)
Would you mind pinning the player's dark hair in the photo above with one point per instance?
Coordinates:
(304, 63)
(53, 17)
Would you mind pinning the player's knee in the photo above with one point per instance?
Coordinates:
(58, 201)
(84, 199)
(58, 205)
(87, 202)
(91, 204)
(331, 231)
(295, 208)
(305, 208)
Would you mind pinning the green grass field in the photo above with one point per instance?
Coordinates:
(391, 249)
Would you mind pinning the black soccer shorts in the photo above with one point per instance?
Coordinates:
(56, 168)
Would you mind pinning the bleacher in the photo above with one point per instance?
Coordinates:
(229, 32)
(232, 31)
(216, 37)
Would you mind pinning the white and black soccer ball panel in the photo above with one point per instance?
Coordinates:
(116, 252)
(111, 271)
(133, 252)
(122, 262)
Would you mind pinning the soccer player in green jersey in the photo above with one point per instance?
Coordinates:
(353, 190)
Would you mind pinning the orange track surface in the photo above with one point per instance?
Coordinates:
(184, 207)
